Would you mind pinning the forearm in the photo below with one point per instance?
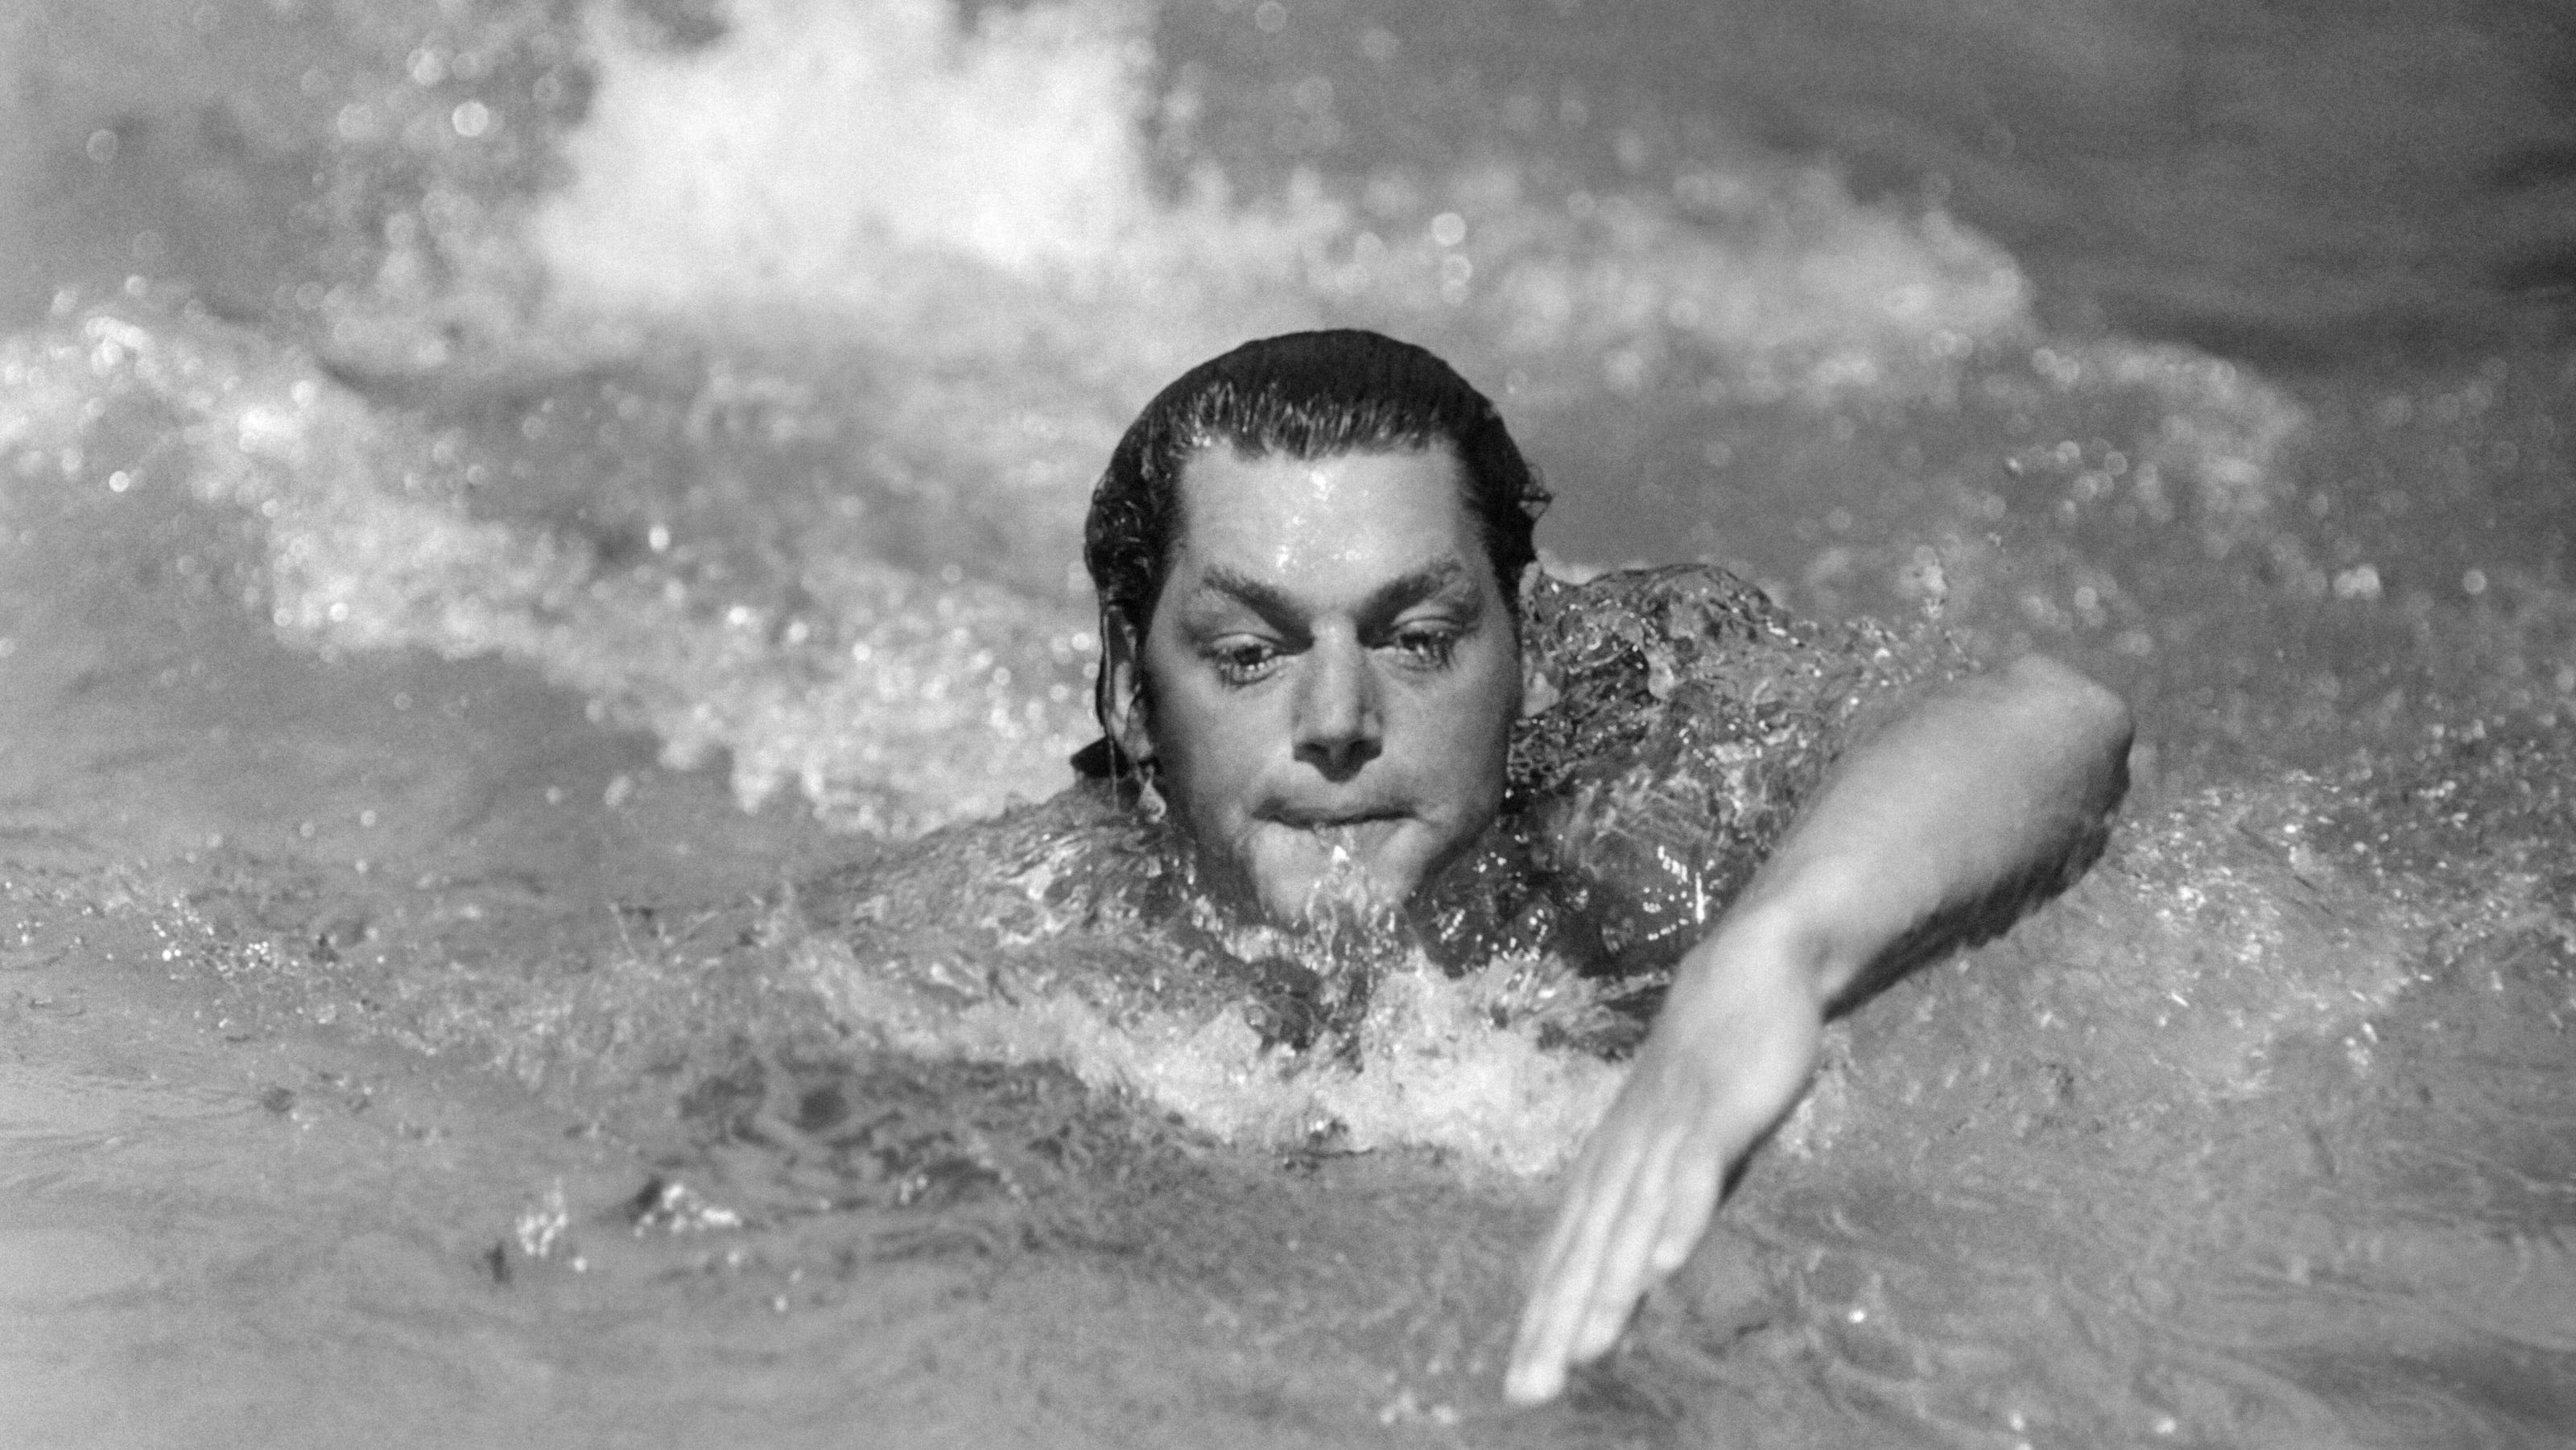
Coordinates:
(1983, 798)
(1986, 793)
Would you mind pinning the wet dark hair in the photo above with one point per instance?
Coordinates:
(1305, 395)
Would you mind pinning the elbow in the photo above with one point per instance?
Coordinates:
(2093, 722)
(2074, 698)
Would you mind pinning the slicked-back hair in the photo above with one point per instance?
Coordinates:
(1306, 395)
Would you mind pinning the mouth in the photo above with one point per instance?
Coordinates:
(1348, 846)
(1319, 866)
(1331, 820)
(1308, 862)
(1350, 836)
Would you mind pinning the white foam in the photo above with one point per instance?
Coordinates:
(916, 704)
(986, 193)
(816, 137)
(1434, 1068)
(954, 197)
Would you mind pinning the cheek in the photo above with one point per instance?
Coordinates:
(1460, 743)
(1209, 745)
(1479, 727)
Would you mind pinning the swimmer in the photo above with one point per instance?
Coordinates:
(1310, 554)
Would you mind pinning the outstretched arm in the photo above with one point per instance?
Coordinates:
(1987, 796)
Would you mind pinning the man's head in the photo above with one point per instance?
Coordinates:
(1308, 553)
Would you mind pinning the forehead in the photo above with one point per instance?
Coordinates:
(1284, 513)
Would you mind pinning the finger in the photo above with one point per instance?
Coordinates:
(1561, 1288)
(1534, 1378)
(1582, 1185)
(1619, 1277)
(1556, 1298)
(1699, 1176)
(1696, 1182)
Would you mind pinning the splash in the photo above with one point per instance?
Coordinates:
(984, 195)
(816, 141)
(972, 200)
(894, 703)
(2219, 940)
(1448, 1063)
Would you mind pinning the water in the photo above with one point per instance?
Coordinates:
(497, 494)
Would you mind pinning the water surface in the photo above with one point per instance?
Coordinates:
(492, 495)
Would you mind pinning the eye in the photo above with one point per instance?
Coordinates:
(1240, 661)
(1429, 645)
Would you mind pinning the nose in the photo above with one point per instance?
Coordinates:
(1338, 726)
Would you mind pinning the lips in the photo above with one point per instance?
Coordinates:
(1326, 818)
(1344, 835)
(1310, 865)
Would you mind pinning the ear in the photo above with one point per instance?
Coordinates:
(1124, 678)
(1538, 687)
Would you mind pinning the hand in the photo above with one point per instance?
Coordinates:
(1727, 1057)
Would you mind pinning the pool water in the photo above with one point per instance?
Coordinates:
(498, 500)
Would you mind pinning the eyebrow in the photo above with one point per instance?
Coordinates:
(1392, 597)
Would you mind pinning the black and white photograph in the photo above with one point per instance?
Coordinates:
(1288, 724)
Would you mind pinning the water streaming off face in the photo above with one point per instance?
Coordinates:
(571, 494)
